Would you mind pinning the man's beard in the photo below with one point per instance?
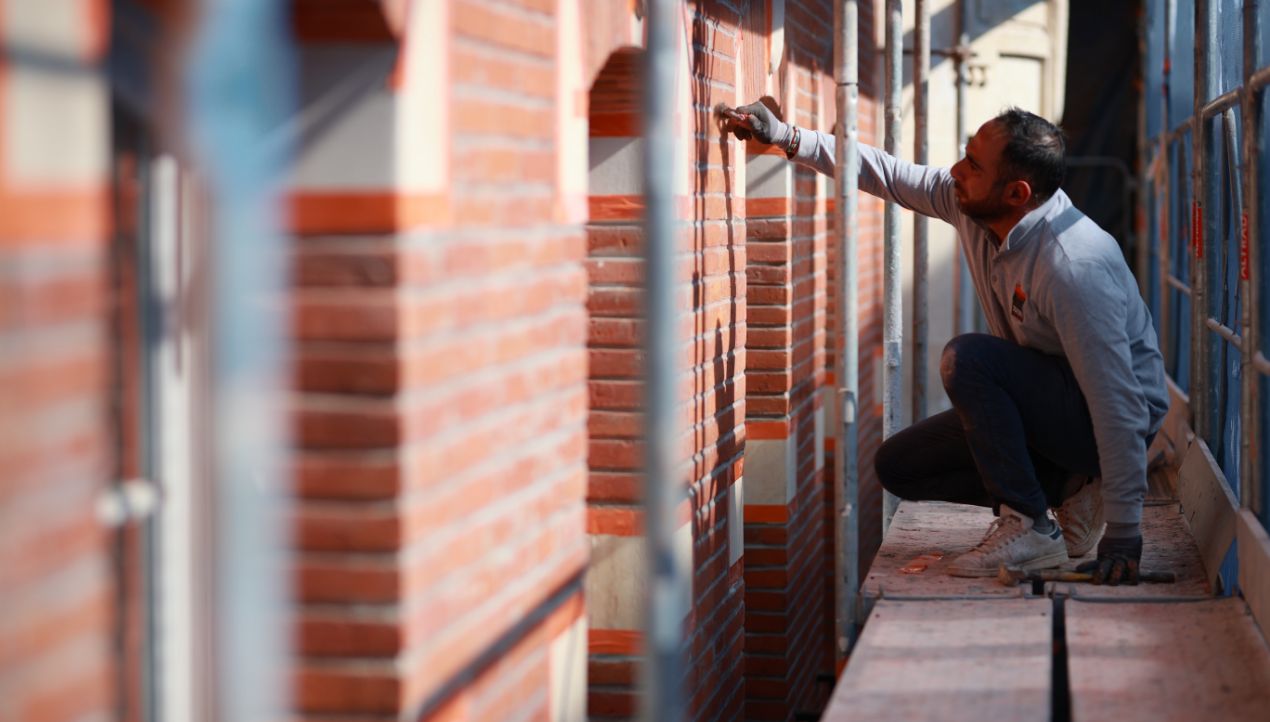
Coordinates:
(988, 209)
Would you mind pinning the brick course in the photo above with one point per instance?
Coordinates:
(58, 446)
(440, 407)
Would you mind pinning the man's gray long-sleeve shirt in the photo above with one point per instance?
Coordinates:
(1059, 284)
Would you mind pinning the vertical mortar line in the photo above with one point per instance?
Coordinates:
(921, 291)
(666, 606)
(1250, 490)
(965, 300)
(847, 353)
(892, 308)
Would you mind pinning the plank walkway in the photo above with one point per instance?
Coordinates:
(937, 647)
(926, 536)
(950, 660)
(1189, 661)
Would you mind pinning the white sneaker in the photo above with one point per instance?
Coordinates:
(1011, 541)
(1082, 519)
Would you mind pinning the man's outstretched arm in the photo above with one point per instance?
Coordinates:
(923, 189)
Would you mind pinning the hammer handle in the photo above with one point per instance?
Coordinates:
(1065, 576)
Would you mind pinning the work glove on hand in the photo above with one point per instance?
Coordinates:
(763, 126)
(1117, 562)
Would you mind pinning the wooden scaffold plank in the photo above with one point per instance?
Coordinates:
(1160, 662)
(949, 660)
(924, 538)
(1167, 547)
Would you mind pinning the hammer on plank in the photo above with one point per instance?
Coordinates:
(1011, 577)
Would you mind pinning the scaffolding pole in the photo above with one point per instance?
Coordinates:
(965, 288)
(892, 302)
(1142, 257)
(1206, 223)
(847, 351)
(666, 605)
(241, 82)
(1164, 195)
(921, 283)
(1249, 270)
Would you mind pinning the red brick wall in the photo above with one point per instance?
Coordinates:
(442, 402)
(56, 603)
(447, 361)
(718, 287)
(789, 547)
(460, 354)
(711, 293)
(758, 348)
(787, 641)
(615, 425)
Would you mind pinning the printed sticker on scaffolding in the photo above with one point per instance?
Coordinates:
(1197, 228)
(1243, 247)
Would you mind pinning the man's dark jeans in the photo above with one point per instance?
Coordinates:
(1019, 427)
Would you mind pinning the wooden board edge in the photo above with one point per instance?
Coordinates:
(1176, 426)
(1208, 506)
(1254, 567)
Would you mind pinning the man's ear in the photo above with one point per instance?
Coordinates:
(1018, 193)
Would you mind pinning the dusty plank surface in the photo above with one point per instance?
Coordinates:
(1161, 662)
(949, 660)
(1168, 547)
(923, 540)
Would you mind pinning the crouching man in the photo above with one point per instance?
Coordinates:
(1054, 409)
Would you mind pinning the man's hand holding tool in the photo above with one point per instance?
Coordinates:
(756, 121)
(1117, 561)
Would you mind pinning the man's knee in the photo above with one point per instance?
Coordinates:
(959, 357)
(890, 463)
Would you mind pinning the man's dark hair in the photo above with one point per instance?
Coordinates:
(1034, 152)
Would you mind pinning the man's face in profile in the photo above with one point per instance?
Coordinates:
(981, 192)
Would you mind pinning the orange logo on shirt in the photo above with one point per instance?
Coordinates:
(1016, 305)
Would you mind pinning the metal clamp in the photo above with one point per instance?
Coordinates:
(127, 501)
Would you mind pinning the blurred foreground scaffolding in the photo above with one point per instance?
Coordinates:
(321, 349)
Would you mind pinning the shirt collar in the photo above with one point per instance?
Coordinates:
(1035, 218)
